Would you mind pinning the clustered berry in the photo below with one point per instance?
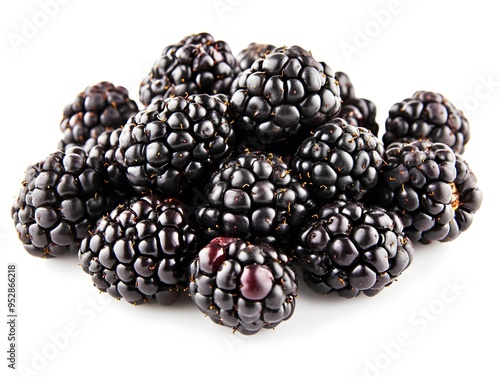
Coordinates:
(241, 176)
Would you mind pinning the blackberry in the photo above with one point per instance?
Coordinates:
(141, 251)
(254, 51)
(349, 248)
(105, 155)
(243, 286)
(427, 115)
(431, 188)
(100, 107)
(360, 112)
(346, 87)
(175, 143)
(253, 196)
(197, 64)
(61, 198)
(282, 97)
(339, 161)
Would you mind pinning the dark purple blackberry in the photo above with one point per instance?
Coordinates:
(105, 155)
(282, 97)
(196, 39)
(339, 161)
(349, 248)
(254, 197)
(345, 85)
(360, 112)
(254, 51)
(243, 286)
(197, 64)
(100, 107)
(427, 115)
(142, 250)
(431, 188)
(175, 143)
(60, 199)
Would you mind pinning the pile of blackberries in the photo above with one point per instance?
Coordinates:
(241, 173)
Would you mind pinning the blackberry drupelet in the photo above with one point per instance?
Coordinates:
(360, 112)
(432, 189)
(349, 248)
(100, 107)
(339, 161)
(197, 64)
(254, 51)
(282, 97)
(243, 286)
(345, 85)
(175, 143)
(142, 250)
(427, 115)
(61, 198)
(254, 197)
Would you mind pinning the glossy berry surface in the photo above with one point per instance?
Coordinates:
(254, 197)
(253, 52)
(282, 97)
(339, 161)
(141, 251)
(60, 199)
(197, 64)
(431, 188)
(175, 143)
(427, 115)
(349, 248)
(105, 155)
(360, 112)
(346, 86)
(243, 286)
(98, 108)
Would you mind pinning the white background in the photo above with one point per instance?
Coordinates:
(395, 48)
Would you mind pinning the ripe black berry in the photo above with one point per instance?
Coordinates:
(431, 188)
(243, 286)
(100, 107)
(339, 161)
(282, 97)
(142, 250)
(175, 143)
(427, 115)
(350, 248)
(254, 51)
(197, 64)
(254, 197)
(61, 198)
(360, 112)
